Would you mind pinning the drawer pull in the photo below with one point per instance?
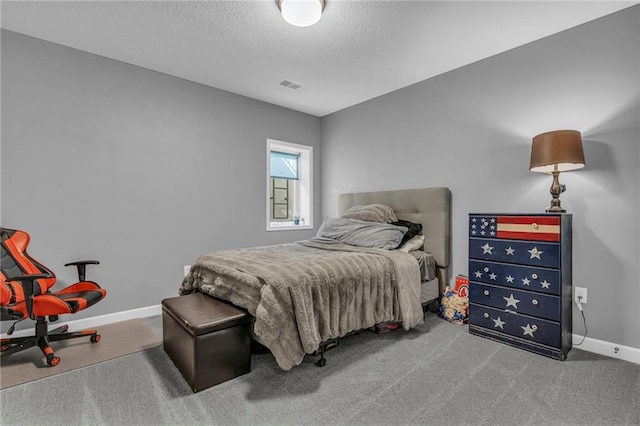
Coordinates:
(534, 301)
(534, 327)
(486, 292)
(486, 315)
(534, 225)
(534, 276)
(486, 269)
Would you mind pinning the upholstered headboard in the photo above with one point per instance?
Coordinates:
(429, 206)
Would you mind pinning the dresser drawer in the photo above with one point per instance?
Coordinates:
(526, 302)
(541, 280)
(512, 251)
(521, 326)
(533, 228)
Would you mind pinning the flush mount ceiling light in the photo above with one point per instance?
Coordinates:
(301, 13)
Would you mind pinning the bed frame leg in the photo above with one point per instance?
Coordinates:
(325, 346)
(322, 361)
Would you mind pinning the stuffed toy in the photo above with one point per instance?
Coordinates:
(453, 307)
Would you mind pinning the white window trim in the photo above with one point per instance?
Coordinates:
(304, 195)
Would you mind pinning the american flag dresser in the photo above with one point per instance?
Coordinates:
(520, 280)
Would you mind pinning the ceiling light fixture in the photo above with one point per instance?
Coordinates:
(301, 13)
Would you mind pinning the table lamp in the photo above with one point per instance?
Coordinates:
(555, 152)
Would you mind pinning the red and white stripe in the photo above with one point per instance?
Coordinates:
(529, 228)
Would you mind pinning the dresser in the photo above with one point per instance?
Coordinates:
(520, 280)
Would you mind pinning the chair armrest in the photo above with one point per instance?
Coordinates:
(81, 265)
(27, 285)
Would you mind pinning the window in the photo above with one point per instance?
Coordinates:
(289, 186)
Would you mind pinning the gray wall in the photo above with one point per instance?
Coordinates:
(143, 171)
(471, 130)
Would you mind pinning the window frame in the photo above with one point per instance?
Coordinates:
(303, 186)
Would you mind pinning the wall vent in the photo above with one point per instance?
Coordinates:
(290, 84)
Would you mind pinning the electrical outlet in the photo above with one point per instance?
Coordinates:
(580, 295)
(187, 268)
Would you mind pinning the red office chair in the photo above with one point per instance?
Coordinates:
(25, 292)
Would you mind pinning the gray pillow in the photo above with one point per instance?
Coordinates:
(362, 234)
(371, 213)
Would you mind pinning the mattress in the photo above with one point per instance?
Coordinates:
(429, 291)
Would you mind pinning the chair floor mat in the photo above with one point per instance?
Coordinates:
(117, 339)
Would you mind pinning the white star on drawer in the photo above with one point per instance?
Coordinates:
(511, 301)
(510, 279)
(498, 323)
(528, 330)
(510, 251)
(486, 249)
(493, 276)
(545, 284)
(525, 281)
(535, 253)
(478, 274)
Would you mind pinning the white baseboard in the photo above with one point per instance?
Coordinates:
(626, 353)
(93, 322)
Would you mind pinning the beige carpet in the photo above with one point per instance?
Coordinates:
(117, 339)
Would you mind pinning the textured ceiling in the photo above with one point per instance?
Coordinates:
(360, 49)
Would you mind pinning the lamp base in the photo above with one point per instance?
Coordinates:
(555, 209)
(555, 190)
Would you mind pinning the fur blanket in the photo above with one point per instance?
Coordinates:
(304, 293)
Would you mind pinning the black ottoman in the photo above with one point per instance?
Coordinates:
(208, 340)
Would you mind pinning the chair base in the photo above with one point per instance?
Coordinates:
(42, 338)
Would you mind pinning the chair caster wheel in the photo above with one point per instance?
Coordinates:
(53, 360)
(95, 338)
(321, 362)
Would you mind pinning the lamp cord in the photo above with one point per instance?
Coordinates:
(584, 320)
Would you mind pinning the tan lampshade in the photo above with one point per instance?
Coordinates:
(560, 150)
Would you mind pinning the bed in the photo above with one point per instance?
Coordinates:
(308, 293)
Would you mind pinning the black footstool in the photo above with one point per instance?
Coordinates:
(208, 340)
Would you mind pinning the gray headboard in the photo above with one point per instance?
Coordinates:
(429, 206)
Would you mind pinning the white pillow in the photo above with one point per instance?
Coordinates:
(413, 244)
